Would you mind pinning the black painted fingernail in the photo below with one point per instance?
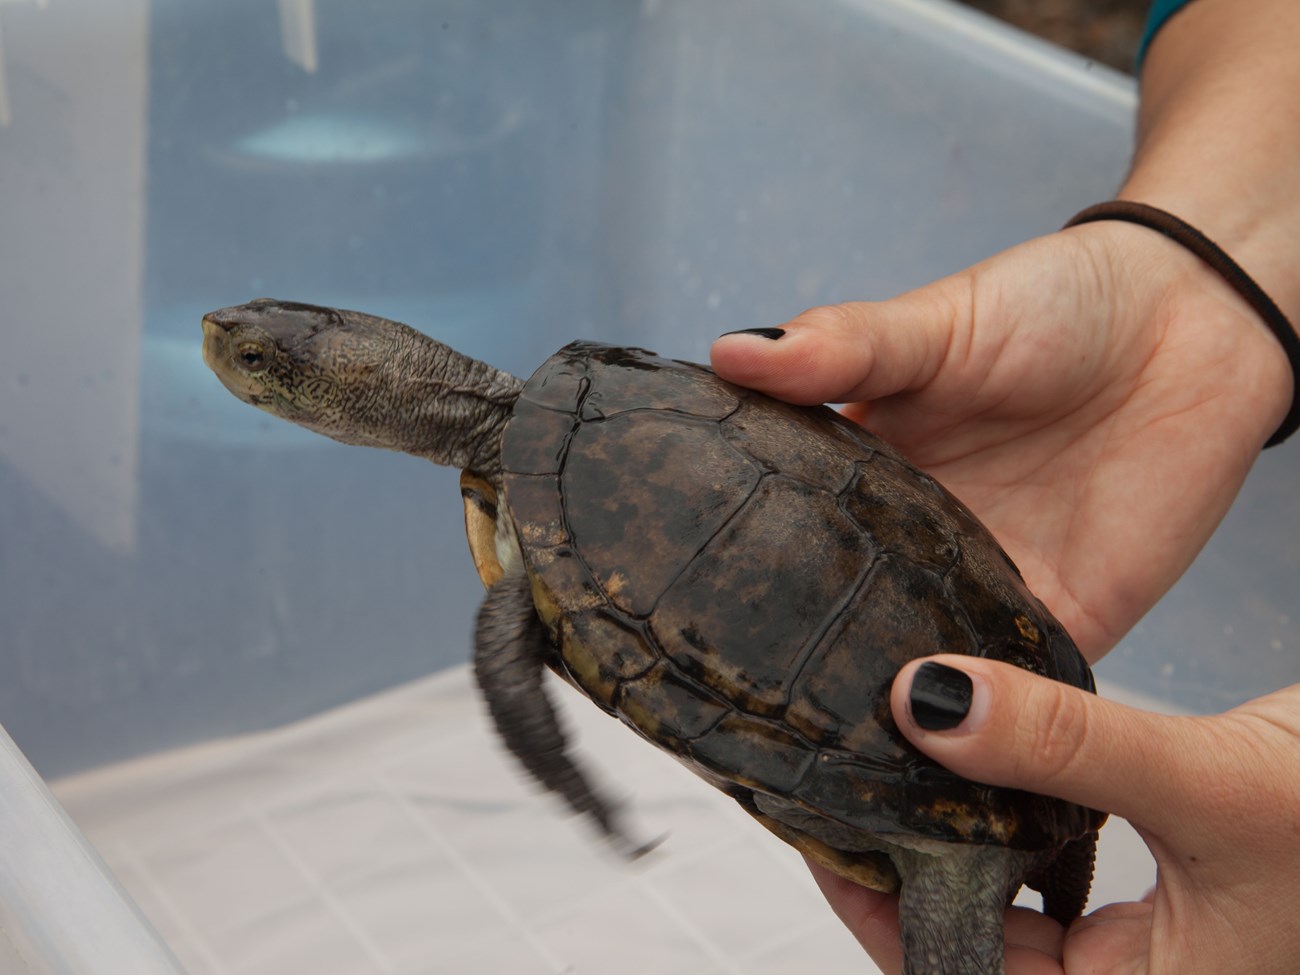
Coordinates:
(940, 697)
(767, 333)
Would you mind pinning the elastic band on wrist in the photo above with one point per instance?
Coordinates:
(1212, 254)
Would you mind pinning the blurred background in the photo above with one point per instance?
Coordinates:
(1107, 31)
(505, 175)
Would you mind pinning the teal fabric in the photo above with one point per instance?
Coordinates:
(1161, 10)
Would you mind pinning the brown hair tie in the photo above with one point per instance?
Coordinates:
(1212, 254)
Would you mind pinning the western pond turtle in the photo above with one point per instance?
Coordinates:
(736, 578)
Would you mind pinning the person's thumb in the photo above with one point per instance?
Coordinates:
(998, 724)
(850, 352)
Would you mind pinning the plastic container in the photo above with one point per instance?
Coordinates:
(61, 910)
(505, 175)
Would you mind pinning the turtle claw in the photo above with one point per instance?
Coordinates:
(627, 847)
(636, 853)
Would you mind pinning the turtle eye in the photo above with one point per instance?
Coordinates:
(253, 356)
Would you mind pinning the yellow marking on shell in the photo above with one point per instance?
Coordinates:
(867, 868)
(542, 534)
(480, 500)
(616, 583)
(579, 662)
(576, 600)
(547, 608)
(645, 721)
(1028, 630)
(542, 558)
(961, 818)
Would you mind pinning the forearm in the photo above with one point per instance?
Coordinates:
(1218, 144)
(1219, 133)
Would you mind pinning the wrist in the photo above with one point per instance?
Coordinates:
(1218, 140)
(1220, 346)
(1259, 229)
(1219, 134)
(1209, 257)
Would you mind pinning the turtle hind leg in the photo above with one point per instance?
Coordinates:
(952, 897)
(511, 650)
(952, 906)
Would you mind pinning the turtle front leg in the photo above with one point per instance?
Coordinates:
(511, 648)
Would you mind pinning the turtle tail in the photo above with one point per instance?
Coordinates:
(1065, 882)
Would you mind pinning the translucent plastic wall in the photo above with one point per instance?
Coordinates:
(506, 175)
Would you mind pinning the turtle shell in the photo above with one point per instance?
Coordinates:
(740, 579)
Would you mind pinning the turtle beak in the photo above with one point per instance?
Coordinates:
(218, 353)
(215, 342)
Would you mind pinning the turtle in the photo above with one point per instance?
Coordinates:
(736, 578)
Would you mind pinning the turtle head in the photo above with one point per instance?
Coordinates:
(361, 379)
(319, 367)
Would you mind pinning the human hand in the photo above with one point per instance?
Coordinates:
(1096, 397)
(1217, 800)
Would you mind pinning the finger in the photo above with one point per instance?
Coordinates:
(870, 916)
(996, 723)
(1033, 931)
(848, 352)
(1114, 938)
(1021, 960)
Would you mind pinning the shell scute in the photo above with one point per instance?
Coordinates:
(544, 452)
(565, 384)
(603, 652)
(806, 447)
(669, 708)
(906, 516)
(633, 498)
(743, 613)
(756, 754)
(538, 511)
(645, 381)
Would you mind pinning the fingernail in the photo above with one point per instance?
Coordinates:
(767, 333)
(940, 697)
